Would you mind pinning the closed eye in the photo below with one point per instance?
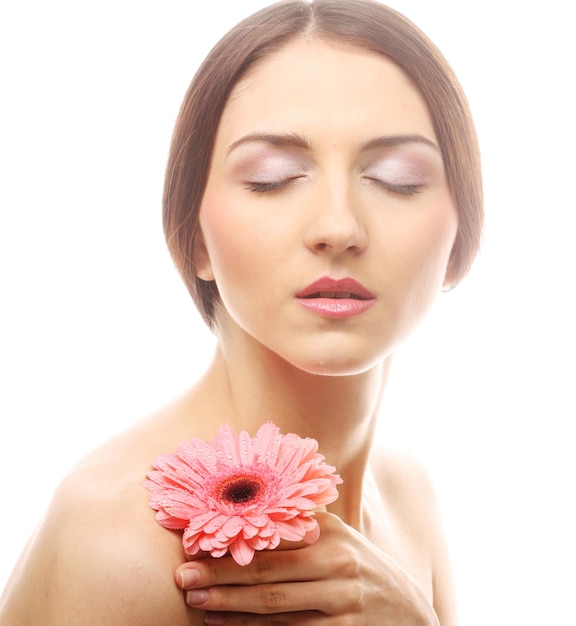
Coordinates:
(403, 189)
(272, 185)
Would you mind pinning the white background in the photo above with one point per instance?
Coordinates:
(97, 329)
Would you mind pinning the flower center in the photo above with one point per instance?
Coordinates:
(240, 489)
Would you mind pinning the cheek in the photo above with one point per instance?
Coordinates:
(217, 231)
(436, 242)
(438, 237)
(233, 243)
(426, 243)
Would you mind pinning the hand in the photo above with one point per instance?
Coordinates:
(342, 579)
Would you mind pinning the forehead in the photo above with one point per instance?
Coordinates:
(320, 88)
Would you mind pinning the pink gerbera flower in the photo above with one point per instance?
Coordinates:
(242, 494)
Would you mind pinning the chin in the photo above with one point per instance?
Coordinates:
(339, 367)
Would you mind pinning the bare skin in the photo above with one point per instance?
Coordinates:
(100, 557)
(319, 208)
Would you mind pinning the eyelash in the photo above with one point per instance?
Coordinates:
(263, 187)
(402, 190)
(275, 185)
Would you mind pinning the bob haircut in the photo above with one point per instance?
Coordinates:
(365, 24)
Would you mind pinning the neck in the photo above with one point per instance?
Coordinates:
(340, 412)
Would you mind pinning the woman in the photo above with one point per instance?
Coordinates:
(323, 185)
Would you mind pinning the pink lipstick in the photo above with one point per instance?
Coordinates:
(331, 297)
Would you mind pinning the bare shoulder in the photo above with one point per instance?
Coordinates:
(403, 482)
(409, 494)
(99, 557)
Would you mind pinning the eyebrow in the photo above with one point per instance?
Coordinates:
(294, 140)
(390, 141)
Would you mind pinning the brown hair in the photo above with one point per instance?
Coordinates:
(364, 24)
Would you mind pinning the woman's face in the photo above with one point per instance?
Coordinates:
(326, 168)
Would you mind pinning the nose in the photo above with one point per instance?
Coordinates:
(335, 224)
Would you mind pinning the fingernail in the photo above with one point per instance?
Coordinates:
(216, 619)
(189, 577)
(197, 596)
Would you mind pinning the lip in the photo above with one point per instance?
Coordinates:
(336, 297)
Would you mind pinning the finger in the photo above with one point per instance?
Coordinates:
(328, 597)
(266, 567)
(291, 561)
(187, 575)
(303, 618)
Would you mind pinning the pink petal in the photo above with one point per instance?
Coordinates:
(187, 491)
(293, 530)
(211, 525)
(226, 445)
(267, 444)
(241, 551)
(219, 552)
(266, 532)
(197, 454)
(257, 520)
(312, 535)
(309, 448)
(283, 515)
(179, 505)
(233, 526)
(209, 543)
(170, 522)
(246, 447)
(289, 457)
(249, 531)
(260, 543)
(191, 547)
(325, 497)
(301, 504)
